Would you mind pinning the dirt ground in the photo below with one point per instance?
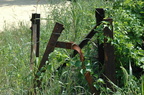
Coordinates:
(14, 11)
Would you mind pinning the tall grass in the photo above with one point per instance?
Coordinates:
(14, 56)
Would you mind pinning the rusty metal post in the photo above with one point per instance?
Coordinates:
(35, 34)
(100, 14)
(36, 20)
(50, 47)
(33, 45)
(109, 64)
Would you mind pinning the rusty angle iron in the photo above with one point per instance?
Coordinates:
(58, 28)
(70, 45)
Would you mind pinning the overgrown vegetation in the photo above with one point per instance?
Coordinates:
(78, 19)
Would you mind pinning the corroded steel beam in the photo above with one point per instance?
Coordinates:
(50, 47)
(109, 63)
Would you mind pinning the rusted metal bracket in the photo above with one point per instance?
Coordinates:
(70, 45)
